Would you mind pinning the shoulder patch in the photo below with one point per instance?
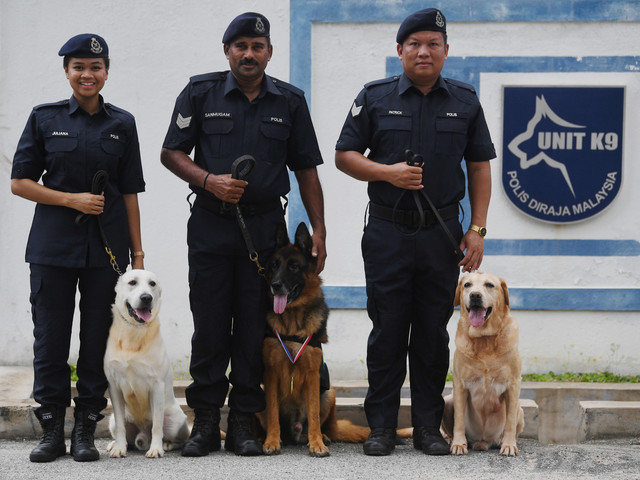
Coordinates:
(61, 103)
(208, 77)
(287, 86)
(382, 81)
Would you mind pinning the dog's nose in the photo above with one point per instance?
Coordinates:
(276, 286)
(146, 298)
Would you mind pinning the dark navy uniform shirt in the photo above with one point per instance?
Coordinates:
(214, 116)
(391, 115)
(66, 146)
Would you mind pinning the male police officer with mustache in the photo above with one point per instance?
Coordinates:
(411, 266)
(225, 115)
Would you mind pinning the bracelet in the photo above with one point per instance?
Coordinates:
(138, 254)
(204, 184)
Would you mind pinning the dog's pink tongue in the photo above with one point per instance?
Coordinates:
(144, 315)
(477, 316)
(279, 303)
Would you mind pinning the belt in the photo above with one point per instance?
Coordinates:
(227, 209)
(411, 218)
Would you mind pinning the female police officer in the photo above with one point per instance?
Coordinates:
(67, 143)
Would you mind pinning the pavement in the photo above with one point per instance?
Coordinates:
(602, 458)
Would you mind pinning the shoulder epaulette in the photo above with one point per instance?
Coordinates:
(287, 86)
(382, 81)
(460, 84)
(207, 77)
(119, 110)
(53, 104)
(462, 91)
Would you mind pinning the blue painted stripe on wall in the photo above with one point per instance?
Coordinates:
(576, 248)
(468, 69)
(565, 299)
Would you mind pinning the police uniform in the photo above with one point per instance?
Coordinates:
(227, 297)
(66, 146)
(412, 272)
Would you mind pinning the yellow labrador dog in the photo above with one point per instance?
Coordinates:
(484, 408)
(145, 412)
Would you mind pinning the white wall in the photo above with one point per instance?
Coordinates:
(156, 46)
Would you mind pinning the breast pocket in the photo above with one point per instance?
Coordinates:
(218, 134)
(394, 133)
(113, 146)
(61, 152)
(275, 132)
(451, 135)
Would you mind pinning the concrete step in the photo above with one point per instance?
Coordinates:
(608, 419)
(18, 421)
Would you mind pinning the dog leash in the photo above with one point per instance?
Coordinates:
(98, 184)
(417, 160)
(242, 173)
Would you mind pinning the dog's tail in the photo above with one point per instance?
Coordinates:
(405, 432)
(349, 433)
(142, 441)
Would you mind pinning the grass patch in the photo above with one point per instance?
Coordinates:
(599, 377)
(74, 373)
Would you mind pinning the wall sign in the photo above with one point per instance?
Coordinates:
(562, 151)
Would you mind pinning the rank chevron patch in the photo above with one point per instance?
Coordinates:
(183, 122)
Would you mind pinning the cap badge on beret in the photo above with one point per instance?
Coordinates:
(95, 46)
(439, 19)
(260, 28)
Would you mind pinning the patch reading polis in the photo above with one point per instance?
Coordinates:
(562, 150)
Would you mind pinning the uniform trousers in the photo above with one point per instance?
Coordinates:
(229, 302)
(53, 299)
(411, 282)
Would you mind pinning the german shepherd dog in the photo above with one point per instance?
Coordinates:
(293, 355)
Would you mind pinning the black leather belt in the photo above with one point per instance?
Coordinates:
(411, 218)
(228, 210)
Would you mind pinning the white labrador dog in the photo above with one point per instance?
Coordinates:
(145, 412)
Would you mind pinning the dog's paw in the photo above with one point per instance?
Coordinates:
(117, 450)
(271, 447)
(459, 449)
(318, 449)
(154, 453)
(509, 450)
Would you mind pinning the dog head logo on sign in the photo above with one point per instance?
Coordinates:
(562, 150)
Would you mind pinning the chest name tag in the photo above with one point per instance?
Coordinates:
(395, 112)
(217, 115)
(114, 136)
(59, 134)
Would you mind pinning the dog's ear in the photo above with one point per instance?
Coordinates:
(456, 299)
(303, 239)
(282, 235)
(505, 290)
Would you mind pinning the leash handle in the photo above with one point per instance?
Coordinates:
(417, 160)
(241, 168)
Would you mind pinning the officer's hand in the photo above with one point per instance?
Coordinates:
(474, 245)
(405, 176)
(319, 250)
(227, 189)
(86, 202)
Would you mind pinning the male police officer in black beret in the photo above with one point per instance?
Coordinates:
(410, 265)
(225, 115)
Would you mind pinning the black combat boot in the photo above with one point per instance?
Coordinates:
(381, 442)
(240, 435)
(82, 446)
(51, 444)
(205, 434)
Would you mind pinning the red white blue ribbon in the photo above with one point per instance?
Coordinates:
(286, 350)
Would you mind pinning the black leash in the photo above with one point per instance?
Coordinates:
(98, 184)
(417, 160)
(241, 169)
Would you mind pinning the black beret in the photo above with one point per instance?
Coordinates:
(249, 24)
(85, 45)
(430, 19)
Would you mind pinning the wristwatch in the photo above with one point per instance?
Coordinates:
(482, 231)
